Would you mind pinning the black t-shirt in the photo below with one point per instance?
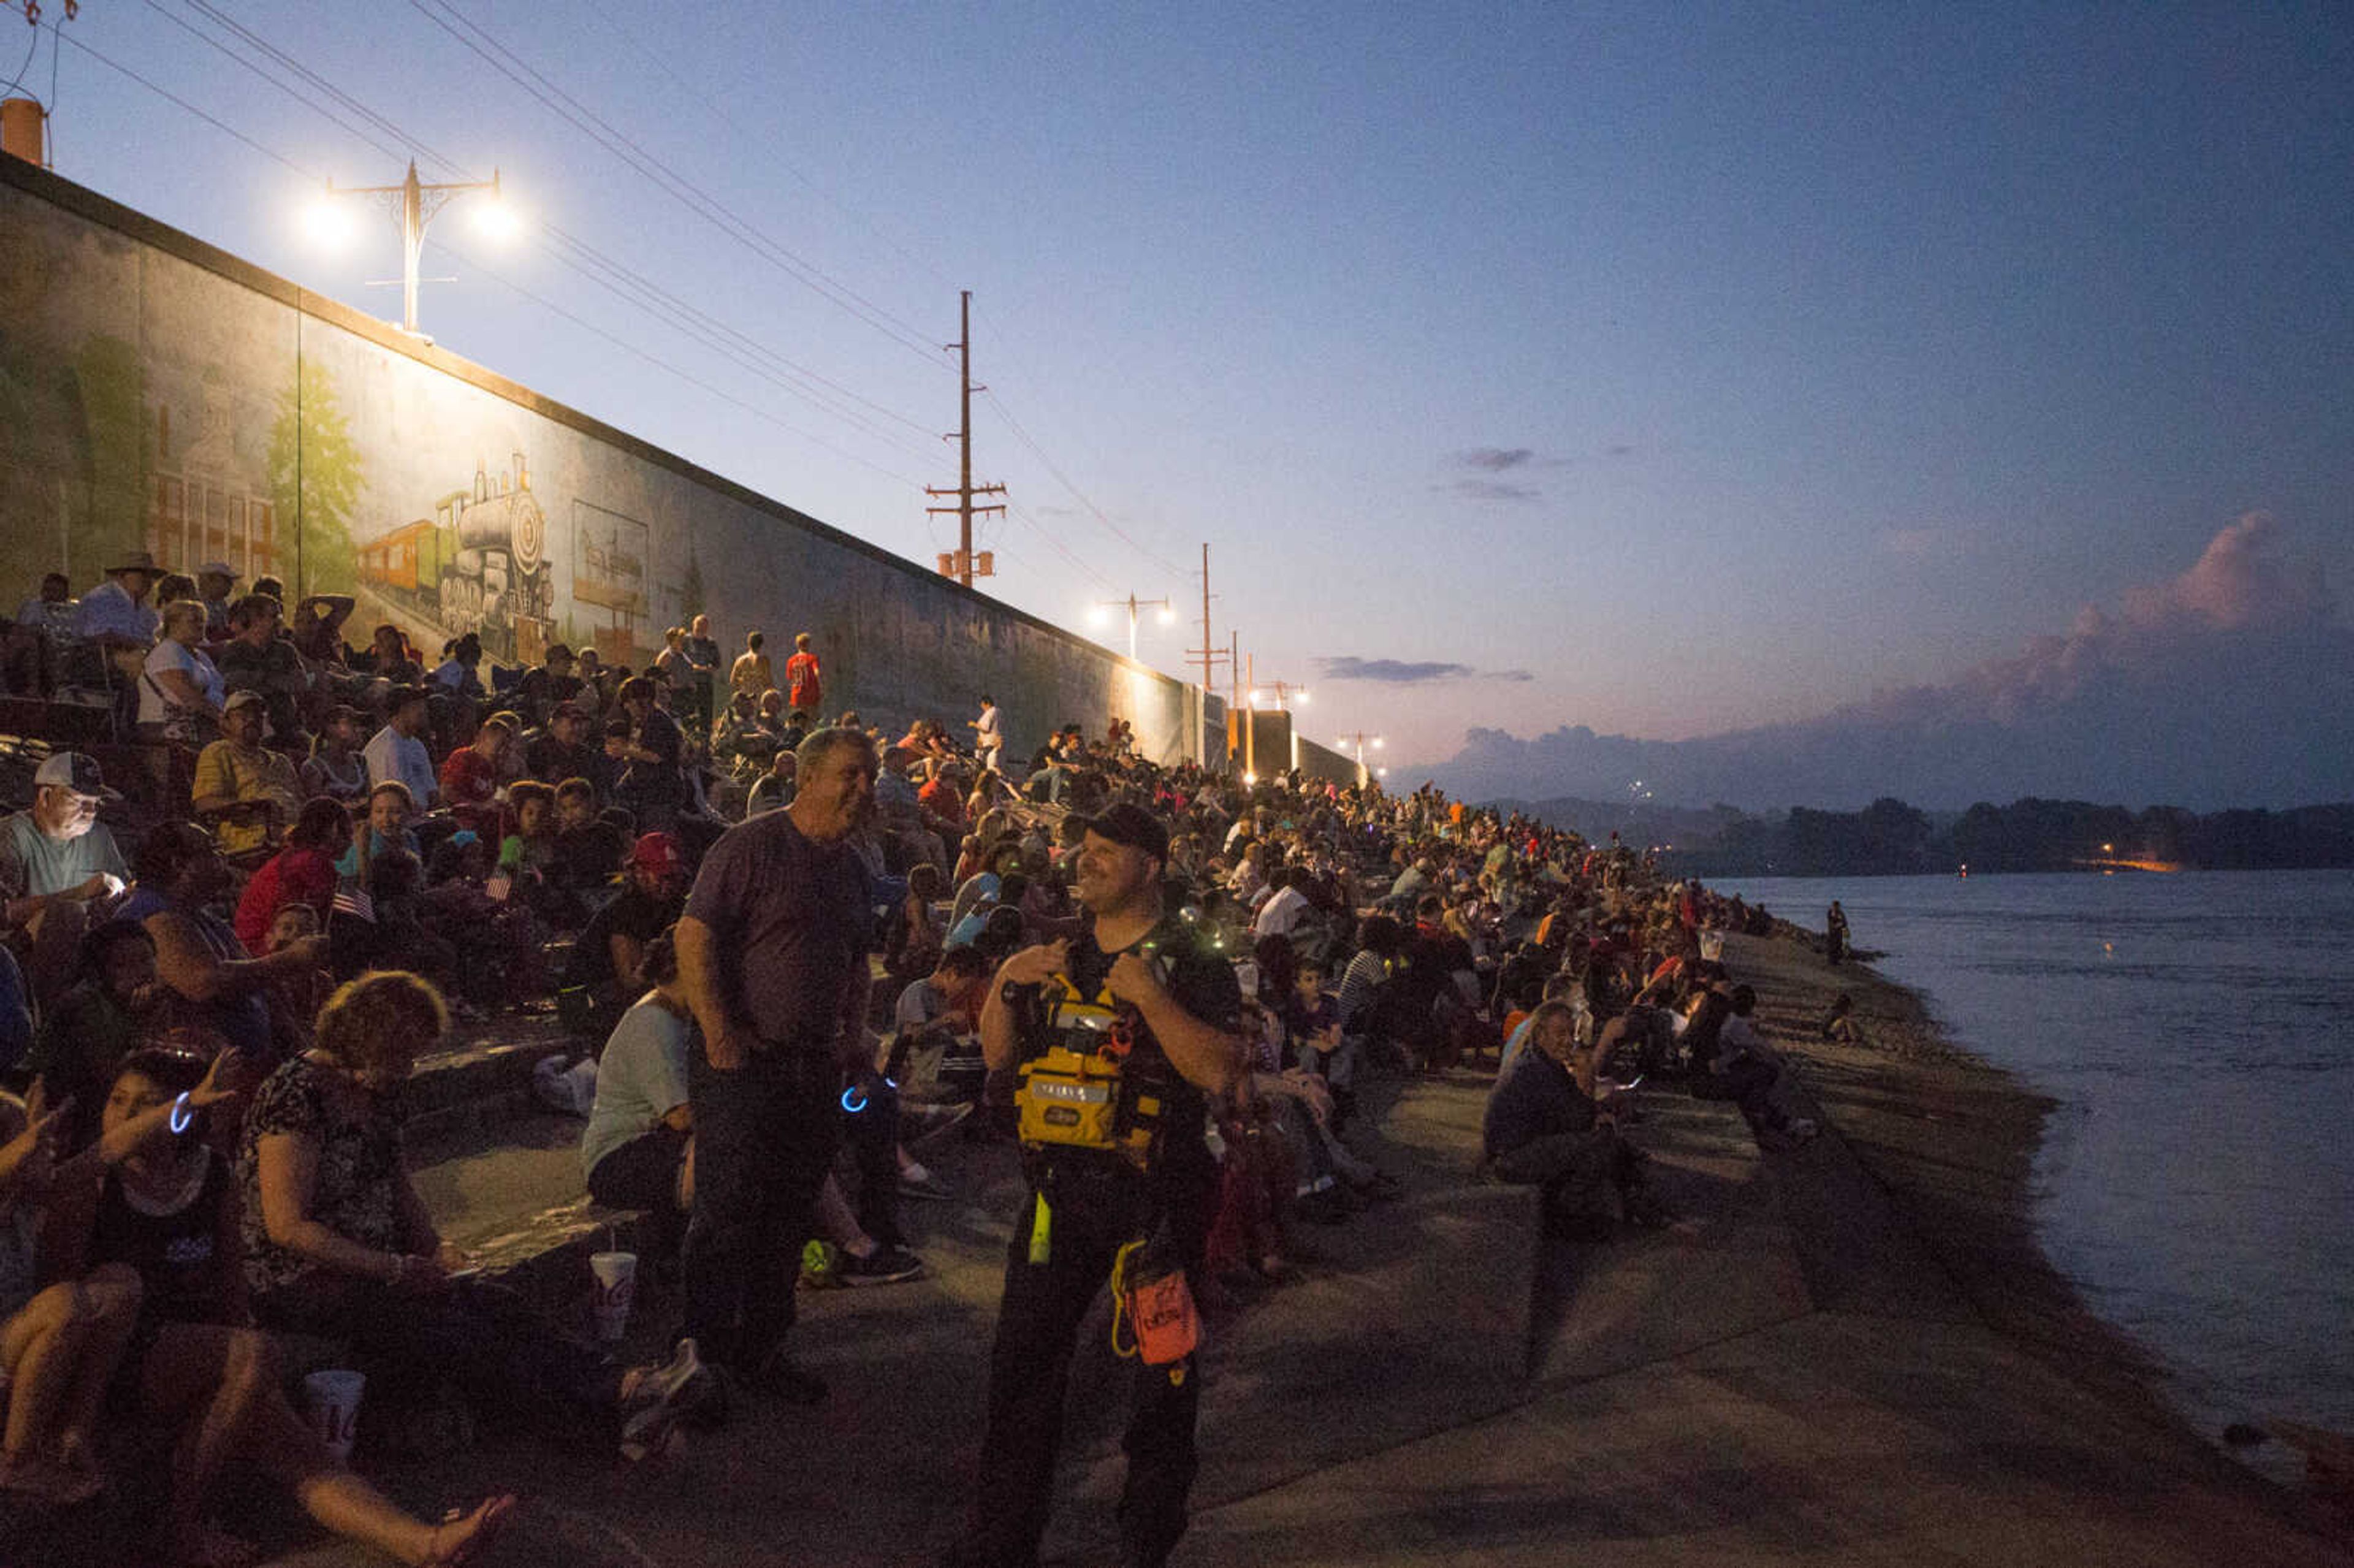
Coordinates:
(587, 856)
(1201, 981)
(176, 1254)
(636, 914)
(551, 761)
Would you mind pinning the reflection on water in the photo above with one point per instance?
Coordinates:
(2198, 1180)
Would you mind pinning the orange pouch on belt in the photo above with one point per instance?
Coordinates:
(1160, 1313)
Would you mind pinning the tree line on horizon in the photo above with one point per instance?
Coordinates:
(1890, 838)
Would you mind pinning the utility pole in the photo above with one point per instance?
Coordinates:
(962, 566)
(1206, 655)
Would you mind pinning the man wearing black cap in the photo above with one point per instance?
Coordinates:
(1166, 1008)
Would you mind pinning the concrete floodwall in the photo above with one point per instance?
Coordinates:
(1321, 762)
(157, 394)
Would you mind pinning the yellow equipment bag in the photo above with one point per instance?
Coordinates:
(1077, 1095)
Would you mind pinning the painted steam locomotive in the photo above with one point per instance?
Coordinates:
(480, 564)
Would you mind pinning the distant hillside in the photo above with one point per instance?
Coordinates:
(1640, 823)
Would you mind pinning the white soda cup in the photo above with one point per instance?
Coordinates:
(331, 1400)
(617, 1286)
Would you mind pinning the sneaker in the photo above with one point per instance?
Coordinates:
(919, 1124)
(663, 1398)
(885, 1266)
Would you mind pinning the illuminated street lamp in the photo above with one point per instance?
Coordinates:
(1356, 745)
(1131, 604)
(416, 203)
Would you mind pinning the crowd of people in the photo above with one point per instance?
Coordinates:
(791, 949)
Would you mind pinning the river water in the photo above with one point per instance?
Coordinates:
(2198, 1029)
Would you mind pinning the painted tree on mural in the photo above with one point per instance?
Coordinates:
(314, 480)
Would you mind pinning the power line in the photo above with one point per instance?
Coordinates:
(1097, 511)
(651, 358)
(673, 183)
(648, 296)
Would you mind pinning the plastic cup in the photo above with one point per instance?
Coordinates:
(331, 1400)
(617, 1286)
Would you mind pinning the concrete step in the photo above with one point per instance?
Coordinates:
(480, 1078)
(511, 1192)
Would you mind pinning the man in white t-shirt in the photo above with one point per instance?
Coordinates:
(395, 752)
(988, 739)
(1284, 906)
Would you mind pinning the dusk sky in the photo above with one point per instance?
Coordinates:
(1664, 370)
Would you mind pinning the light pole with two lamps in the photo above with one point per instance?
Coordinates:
(1357, 744)
(1131, 604)
(416, 203)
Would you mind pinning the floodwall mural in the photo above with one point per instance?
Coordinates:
(158, 394)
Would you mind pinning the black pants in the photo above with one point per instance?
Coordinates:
(506, 1358)
(871, 1131)
(1030, 1368)
(764, 1136)
(1748, 1083)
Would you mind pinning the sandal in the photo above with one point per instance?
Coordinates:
(485, 1523)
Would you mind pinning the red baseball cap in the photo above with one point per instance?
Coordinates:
(657, 853)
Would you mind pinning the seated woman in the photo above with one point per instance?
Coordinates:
(165, 1212)
(337, 1242)
(638, 1150)
(913, 943)
(335, 768)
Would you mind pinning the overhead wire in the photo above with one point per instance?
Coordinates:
(673, 183)
(504, 281)
(1093, 511)
(622, 280)
(602, 131)
(632, 287)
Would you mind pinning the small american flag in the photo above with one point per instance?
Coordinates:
(353, 899)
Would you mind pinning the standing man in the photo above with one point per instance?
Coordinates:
(1835, 933)
(703, 662)
(750, 672)
(772, 954)
(1178, 1006)
(988, 739)
(804, 688)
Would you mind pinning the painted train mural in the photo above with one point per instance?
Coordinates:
(479, 564)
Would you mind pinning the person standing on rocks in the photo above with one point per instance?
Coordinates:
(772, 954)
(1835, 946)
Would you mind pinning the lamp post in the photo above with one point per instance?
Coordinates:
(418, 203)
(1357, 744)
(1280, 689)
(1131, 604)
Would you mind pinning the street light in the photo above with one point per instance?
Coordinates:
(416, 203)
(1131, 604)
(1359, 743)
